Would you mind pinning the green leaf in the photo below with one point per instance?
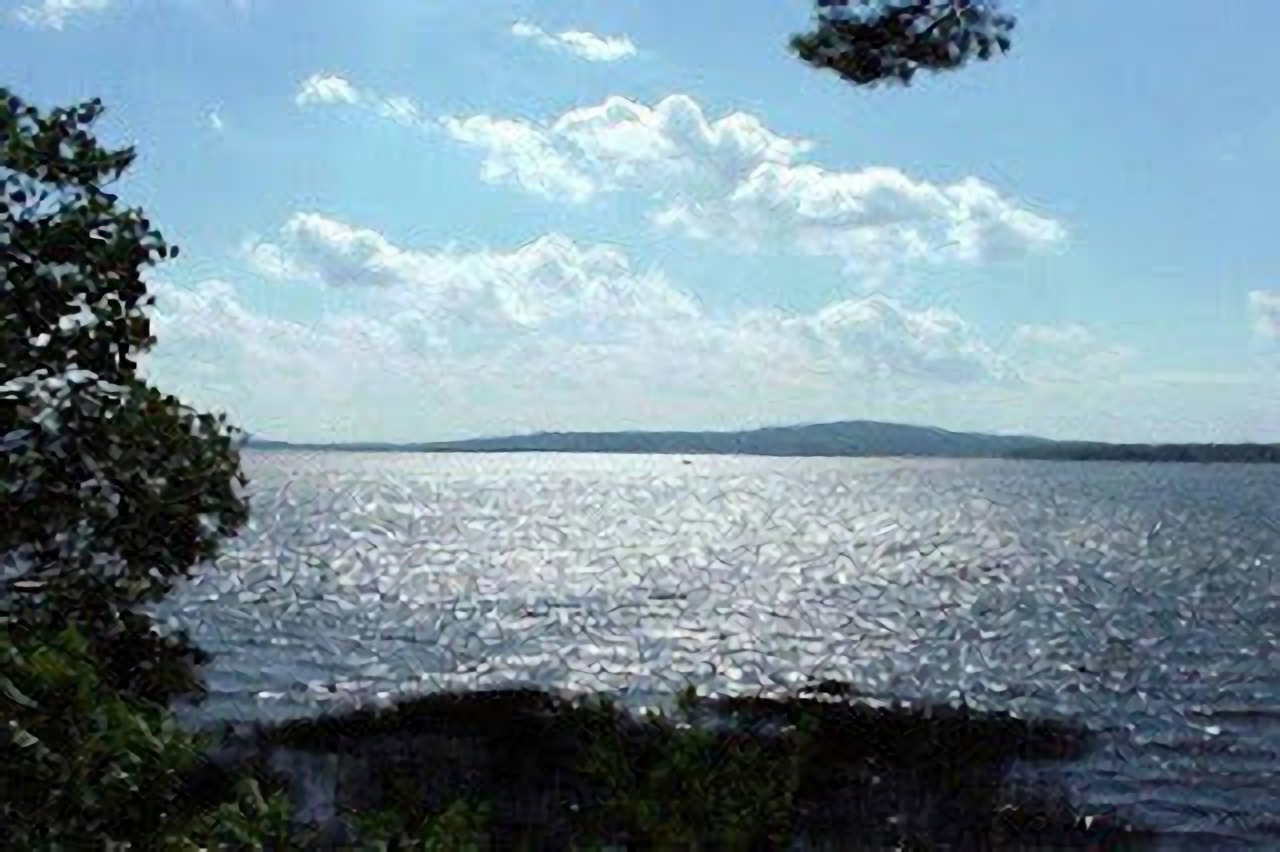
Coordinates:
(24, 738)
(14, 693)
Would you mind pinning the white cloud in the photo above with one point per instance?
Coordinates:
(437, 343)
(54, 14)
(582, 299)
(1264, 312)
(585, 45)
(267, 371)
(269, 260)
(736, 182)
(589, 305)
(1071, 335)
(1066, 353)
(326, 89)
(550, 280)
(400, 109)
(669, 149)
(215, 121)
(875, 217)
(379, 373)
(521, 154)
(930, 344)
(555, 334)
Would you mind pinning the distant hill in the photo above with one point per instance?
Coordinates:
(849, 438)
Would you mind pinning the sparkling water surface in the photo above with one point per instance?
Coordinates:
(1140, 600)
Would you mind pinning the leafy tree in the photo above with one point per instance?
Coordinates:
(871, 41)
(110, 490)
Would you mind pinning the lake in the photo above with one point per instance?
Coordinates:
(1140, 600)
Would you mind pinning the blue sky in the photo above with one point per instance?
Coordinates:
(416, 219)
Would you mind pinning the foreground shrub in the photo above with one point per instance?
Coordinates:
(676, 784)
(79, 762)
(83, 765)
(461, 827)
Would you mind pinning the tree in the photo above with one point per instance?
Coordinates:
(873, 41)
(110, 490)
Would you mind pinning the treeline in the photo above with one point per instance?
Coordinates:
(1202, 453)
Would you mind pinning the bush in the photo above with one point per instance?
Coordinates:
(83, 765)
(461, 827)
(668, 784)
(79, 762)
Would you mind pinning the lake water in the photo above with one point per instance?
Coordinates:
(1140, 600)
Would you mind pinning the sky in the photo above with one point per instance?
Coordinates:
(413, 220)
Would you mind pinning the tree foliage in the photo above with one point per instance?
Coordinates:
(83, 765)
(873, 41)
(80, 764)
(110, 489)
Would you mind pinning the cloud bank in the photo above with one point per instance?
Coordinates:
(735, 182)
(548, 334)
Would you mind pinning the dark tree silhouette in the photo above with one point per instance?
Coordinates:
(872, 41)
(109, 489)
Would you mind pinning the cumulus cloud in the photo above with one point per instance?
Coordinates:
(929, 344)
(269, 371)
(519, 153)
(1264, 313)
(550, 280)
(584, 45)
(53, 14)
(215, 121)
(269, 260)
(1066, 353)
(876, 217)
(735, 181)
(668, 149)
(566, 312)
(400, 109)
(438, 343)
(553, 334)
(326, 89)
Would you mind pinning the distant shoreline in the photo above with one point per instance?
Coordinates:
(280, 446)
(851, 439)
